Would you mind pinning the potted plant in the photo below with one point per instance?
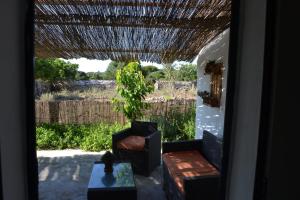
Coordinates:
(133, 88)
(208, 99)
(141, 143)
(108, 159)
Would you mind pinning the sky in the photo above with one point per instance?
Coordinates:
(87, 65)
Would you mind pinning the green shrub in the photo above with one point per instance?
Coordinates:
(189, 128)
(99, 137)
(177, 125)
(94, 137)
(133, 88)
(47, 138)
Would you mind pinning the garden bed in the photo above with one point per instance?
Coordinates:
(97, 137)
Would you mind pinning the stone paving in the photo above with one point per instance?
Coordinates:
(64, 175)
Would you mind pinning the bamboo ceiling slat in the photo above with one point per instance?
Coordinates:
(125, 3)
(157, 30)
(129, 21)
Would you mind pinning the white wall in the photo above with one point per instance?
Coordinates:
(212, 118)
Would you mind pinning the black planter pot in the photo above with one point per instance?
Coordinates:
(108, 159)
(108, 167)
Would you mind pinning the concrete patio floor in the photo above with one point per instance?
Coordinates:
(64, 175)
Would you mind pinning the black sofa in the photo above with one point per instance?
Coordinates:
(204, 184)
(146, 159)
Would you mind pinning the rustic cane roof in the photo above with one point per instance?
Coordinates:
(148, 30)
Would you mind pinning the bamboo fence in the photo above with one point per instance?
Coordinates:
(88, 112)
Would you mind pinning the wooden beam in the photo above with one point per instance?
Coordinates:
(127, 3)
(110, 50)
(130, 21)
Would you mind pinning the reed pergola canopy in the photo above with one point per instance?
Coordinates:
(149, 30)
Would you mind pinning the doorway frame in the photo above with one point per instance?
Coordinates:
(32, 166)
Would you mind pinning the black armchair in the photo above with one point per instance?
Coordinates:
(204, 183)
(141, 145)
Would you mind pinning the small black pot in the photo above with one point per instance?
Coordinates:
(108, 159)
(108, 168)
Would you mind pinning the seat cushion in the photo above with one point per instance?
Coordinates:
(136, 143)
(185, 164)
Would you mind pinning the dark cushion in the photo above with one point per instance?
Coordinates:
(183, 164)
(136, 143)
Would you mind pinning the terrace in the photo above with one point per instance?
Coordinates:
(155, 31)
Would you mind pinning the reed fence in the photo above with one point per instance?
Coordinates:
(92, 111)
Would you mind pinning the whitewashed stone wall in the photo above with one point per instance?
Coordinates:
(101, 84)
(212, 118)
(178, 85)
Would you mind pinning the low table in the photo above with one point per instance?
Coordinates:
(119, 184)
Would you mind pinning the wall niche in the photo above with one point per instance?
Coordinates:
(213, 97)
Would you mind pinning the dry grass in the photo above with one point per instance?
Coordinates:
(93, 93)
(168, 94)
(100, 94)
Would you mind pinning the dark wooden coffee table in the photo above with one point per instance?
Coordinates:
(118, 185)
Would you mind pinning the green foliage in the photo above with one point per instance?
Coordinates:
(110, 73)
(187, 72)
(146, 70)
(54, 69)
(169, 72)
(95, 137)
(133, 88)
(47, 138)
(156, 75)
(55, 136)
(81, 76)
(177, 125)
(184, 72)
(99, 137)
(95, 75)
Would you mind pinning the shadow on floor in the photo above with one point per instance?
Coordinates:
(67, 177)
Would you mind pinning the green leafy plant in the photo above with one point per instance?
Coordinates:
(132, 87)
(146, 70)
(170, 72)
(177, 125)
(112, 68)
(90, 137)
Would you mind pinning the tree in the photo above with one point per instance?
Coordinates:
(133, 88)
(81, 76)
(95, 75)
(169, 72)
(54, 69)
(187, 72)
(156, 75)
(146, 70)
(110, 73)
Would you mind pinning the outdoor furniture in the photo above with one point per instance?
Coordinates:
(141, 145)
(117, 185)
(191, 168)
